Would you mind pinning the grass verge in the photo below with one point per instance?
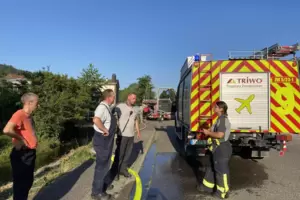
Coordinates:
(66, 164)
(45, 155)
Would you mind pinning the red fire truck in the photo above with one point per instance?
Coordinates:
(261, 89)
(158, 112)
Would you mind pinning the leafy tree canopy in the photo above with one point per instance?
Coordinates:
(62, 99)
(143, 88)
(124, 93)
(92, 81)
(168, 94)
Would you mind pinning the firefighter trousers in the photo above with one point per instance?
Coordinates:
(217, 174)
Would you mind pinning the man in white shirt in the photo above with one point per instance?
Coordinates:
(104, 126)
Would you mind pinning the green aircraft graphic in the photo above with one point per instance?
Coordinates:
(245, 103)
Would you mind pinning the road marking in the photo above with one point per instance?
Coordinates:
(138, 182)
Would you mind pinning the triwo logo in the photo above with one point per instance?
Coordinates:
(231, 81)
(246, 80)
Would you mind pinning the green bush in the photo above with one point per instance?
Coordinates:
(4, 141)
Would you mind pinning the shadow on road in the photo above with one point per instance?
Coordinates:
(245, 173)
(62, 185)
(138, 148)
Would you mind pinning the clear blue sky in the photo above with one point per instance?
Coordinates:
(135, 37)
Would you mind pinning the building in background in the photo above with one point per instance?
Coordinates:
(113, 84)
(15, 78)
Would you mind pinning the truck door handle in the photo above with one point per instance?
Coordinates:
(245, 128)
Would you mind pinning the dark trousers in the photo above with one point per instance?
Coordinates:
(103, 146)
(123, 153)
(217, 175)
(22, 163)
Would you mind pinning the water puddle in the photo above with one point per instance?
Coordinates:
(246, 173)
(146, 172)
(168, 177)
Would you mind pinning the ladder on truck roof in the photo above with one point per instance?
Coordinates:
(275, 51)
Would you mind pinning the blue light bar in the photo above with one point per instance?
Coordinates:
(197, 58)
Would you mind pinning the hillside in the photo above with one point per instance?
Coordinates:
(8, 69)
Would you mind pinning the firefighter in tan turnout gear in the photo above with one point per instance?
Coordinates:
(216, 178)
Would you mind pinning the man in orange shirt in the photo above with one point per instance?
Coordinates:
(21, 129)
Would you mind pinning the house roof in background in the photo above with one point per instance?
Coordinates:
(14, 76)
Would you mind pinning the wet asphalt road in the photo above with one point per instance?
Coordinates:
(167, 176)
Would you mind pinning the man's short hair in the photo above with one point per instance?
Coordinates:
(131, 93)
(28, 97)
(107, 93)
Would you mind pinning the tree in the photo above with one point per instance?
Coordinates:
(172, 94)
(90, 76)
(9, 101)
(124, 93)
(92, 81)
(61, 99)
(164, 95)
(145, 88)
(168, 94)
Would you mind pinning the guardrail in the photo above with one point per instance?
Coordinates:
(244, 55)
